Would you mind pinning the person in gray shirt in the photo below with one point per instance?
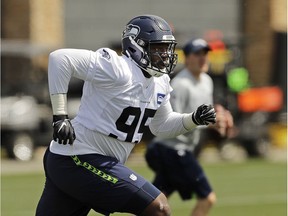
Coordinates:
(176, 167)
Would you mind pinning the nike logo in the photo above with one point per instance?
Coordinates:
(62, 125)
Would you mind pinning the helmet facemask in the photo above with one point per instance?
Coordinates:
(162, 57)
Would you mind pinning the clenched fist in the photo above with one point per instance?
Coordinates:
(204, 115)
(63, 130)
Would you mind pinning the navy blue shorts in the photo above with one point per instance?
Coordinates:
(178, 171)
(76, 184)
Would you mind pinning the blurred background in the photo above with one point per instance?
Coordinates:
(248, 64)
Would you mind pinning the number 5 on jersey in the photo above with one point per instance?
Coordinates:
(129, 129)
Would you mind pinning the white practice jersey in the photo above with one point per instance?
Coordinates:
(117, 104)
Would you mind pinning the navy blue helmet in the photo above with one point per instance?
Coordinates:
(149, 42)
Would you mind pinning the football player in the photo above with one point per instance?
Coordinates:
(122, 95)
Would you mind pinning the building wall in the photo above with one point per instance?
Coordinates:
(93, 23)
(15, 19)
(47, 25)
(35, 21)
(279, 15)
(30, 30)
(261, 21)
(258, 40)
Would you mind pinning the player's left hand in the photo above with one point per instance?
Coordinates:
(63, 130)
(204, 115)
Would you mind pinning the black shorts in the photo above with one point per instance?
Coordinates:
(177, 170)
(76, 184)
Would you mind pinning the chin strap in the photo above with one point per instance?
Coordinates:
(146, 74)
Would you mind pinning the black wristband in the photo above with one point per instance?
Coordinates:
(59, 117)
(193, 119)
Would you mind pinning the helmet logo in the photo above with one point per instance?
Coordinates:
(131, 30)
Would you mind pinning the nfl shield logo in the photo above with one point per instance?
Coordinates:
(133, 177)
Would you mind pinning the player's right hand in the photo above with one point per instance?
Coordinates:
(63, 130)
(204, 115)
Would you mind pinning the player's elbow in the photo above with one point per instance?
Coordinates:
(153, 129)
(59, 63)
(54, 61)
(156, 131)
(56, 56)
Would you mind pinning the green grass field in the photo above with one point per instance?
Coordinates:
(252, 188)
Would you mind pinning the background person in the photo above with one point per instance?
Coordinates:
(175, 166)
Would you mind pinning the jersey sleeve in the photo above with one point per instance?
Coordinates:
(168, 124)
(102, 67)
(64, 64)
